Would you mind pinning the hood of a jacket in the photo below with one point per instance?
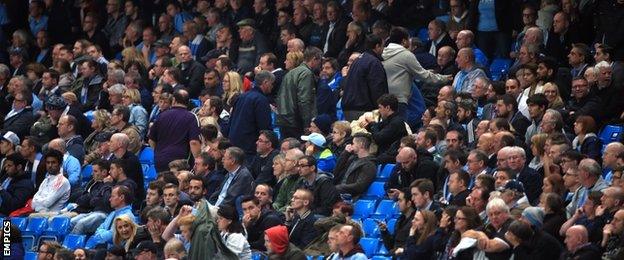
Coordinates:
(392, 50)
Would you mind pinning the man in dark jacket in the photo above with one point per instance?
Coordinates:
(409, 168)
(320, 183)
(251, 113)
(360, 170)
(256, 221)
(391, 128)
(583, 102)
(397, 238)
(300, 218)
(191, 70)
(366, 81)
(89, 93)
(92, 204)
(507, 108)
(16, 188)
(238, 180)
(261, 165)
(20, 118)
(336, 30)
(578, 246)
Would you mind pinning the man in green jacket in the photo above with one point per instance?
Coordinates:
(296, 96)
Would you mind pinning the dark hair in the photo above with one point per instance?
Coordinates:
(398, 35)
(168, 177)
(371, 39)
(54, 153)
(159, 213)
(508, 99)
(103, 164)
(488, 182)
(63, 253)
(229, 212)
(271, 136)
(157, 185)
(121, 163)
(423, 185)
(457, 155)
(521, 230)
(217, 103)
(389, 100)
(364, 138)
(251, 198)
(538, 99)
(126, 192)
(463, 176)
(198, 178)
(345, 208)
(555, 203)
(607, 50)
(237, 154)
(310, 159)
(124, 111)
(588, 122)
(17, 159)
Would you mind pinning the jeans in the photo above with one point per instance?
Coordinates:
(87, 223)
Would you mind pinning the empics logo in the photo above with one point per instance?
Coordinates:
(6, 237)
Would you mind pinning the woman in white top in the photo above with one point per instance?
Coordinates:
(232, 232)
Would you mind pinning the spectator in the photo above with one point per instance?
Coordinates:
(92, 203)
(319, 183)
(252, 46)
(120, 200)
(17, 187)
(232, 232)
(590, 178)
(257, 221)
(422, 196)
(347, 240)
(53, 192)
(458, 187)
(612, 236)
(609, 160)
(20, 117)
(469, 72)
(577, 244)
(423, 244)
(119, 144)
(507, 108)
(278, 245)
(554, 214)
(438, 37)
(396, 241)
(359, 170)
(237, 182)
(465, 39)
(125, 233)
(336, 33)
(295, 99)
(300, 218)
(410, 166)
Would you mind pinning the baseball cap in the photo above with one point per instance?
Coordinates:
(161, 43)
(39, 132)
(315, 138)
(11, 138)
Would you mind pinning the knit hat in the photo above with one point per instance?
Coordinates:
(323, 122)
(55, 102)
(278, 237)
(534, 215)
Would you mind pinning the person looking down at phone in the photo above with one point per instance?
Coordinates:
(396, 242)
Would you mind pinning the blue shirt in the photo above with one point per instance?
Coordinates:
(487, 18)
(38, 25)
(226, 186)
(71, 168)
(104, 233)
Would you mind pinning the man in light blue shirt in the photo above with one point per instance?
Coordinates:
(120, 200)
(464, 80)
(237, 182)
(71, 167)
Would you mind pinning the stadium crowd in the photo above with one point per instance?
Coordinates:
(312, 129)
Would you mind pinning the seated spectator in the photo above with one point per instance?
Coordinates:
(316, 146)
(586, 140)
(466, 219)
(513, 195)
(172, 200)
(232, 232)
(74, 143)
(396, 240)
(611, 241)
(422, 196)
(340, 137)
(348, 242)
(153, 196)
(92, 204)
(554, 214)
(290, 180)
(47, 249)
(278, 245)
(125, 232)
(610, 160)
(148, 250)
(118, 169)
(54, 191)
(341, 214)
(392, 126)
(422, 244)
(256, 221)
(359, 171)
(410, 166)
(319, 183)
(120, 147)
(70, 165)
(174, 248)
(300, 218)
(577, 245)
(261, 165)
(120, 200)
(264, 194)
(16, 187)
(238, 181)
(458, 187)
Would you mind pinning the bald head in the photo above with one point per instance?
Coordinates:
(486, 143)
(446, 93)
(609, 157)
(464, 39)
(576, 236)
(57, 144)
(184, 53)
(406, 157)
(295, 44)
(533, 35)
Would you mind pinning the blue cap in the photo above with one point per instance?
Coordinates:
(315, 138)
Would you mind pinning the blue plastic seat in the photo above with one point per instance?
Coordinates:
(29, 255)
(89, 115)
(611, 133)
(376, 190)
(370, 228)
(257, 255)
(381, 257)
(196, 102)
(386, 209)
(149, 173)
(91, 243)
(391, 224)
(35, 226)
(363, 208)
(499, 68)
(86, 173)
(20, 223)
(423, 34)
(73, 241)
(146, 156)
(29, 242)
(57, 229)
(369, 245)
(385, 171)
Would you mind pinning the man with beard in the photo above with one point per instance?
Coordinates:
(16, 188)
(409, 168)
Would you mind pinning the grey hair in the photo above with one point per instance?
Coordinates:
(518, 150)
(497, 203)
(4, 70)
(591, 166)
(602, 65)
(117, 89)
(237, 154)
(118, 75)
(264, 75)
(123, 139)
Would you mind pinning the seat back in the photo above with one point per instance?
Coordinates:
(376, 190)
(385, 171)
(58, 225)
(369, 245)
(370, 228)
(30, 255)
(86, 173)
(391, 224)
(387, 208)
(363, 208)
(499, 68)
(610, 133)
(73, 241)
(37, 225)
(20, 223)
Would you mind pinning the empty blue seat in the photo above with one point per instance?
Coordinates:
(35, 226)
(89, 115)
(91, 243)
(376, 190)
(73, 241)
(30, 255)
(369, 245)
(423, 34)
(381, 257)
(29, 243)
(387, 209)
(385, 171)
(146, 156)
(20, 223)
(370, 228)
(499, 68)
(363, 208)
(86, 173)
(610, 133)
(391, 224)
(57, 229)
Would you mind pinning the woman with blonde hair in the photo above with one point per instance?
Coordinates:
(125, 232)
(551, 91)
(101, 117)
(293, 60)
(174, 249)
(138, 115)
(132, 54)
(232, 88)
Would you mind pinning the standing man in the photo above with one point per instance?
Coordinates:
(176, 132)
(296, 98)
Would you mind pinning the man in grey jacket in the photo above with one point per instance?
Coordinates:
(402, 68)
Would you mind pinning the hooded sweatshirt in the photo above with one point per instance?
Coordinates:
(402, 68)
(278, 235)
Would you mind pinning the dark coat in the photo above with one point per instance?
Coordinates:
(587, 252)
(337, 38)
(192, 77)
(364, 84)
(255, 231)
(301, 230)
(135, 173)
(262, 168)
(359, 174)
(17, 193)
(251, 113)
(242, 184)
(589, 105)
(460, 199)
(401, 232)
(94, 87)
(401, 178)
(592, 147)
(20, 123)
(387, 131)
(325, 193)
(446, 41)
(95, 197)
(424, 250)
(532, 183)
(558, 48)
